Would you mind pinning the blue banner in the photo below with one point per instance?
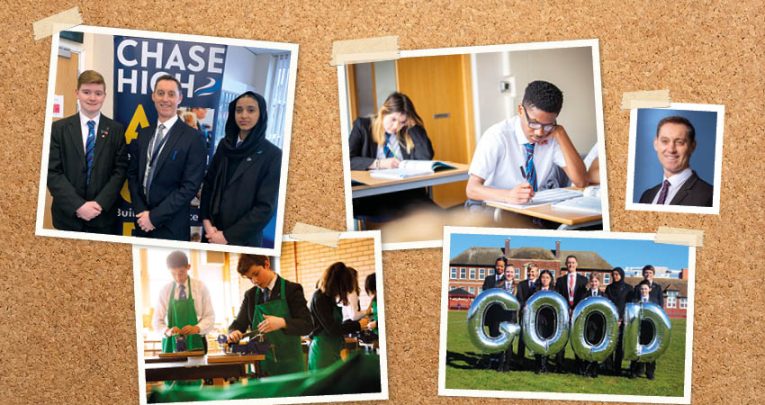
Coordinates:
(138, 62)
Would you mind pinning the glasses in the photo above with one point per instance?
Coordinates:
(546, 128)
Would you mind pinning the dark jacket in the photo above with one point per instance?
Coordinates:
(178, 173)
(619, 293)
(323, 309)
(299, 321)
(694, 192)
(580, 287)
(67, 172)
(656, 295)
(363, 149)
(248, 190)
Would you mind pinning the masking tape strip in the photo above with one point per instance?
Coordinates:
(364, 50)
(679, 236)
(57, 22)
(646, 99)
(315, 234)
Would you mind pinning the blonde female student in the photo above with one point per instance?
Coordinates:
(382, 141)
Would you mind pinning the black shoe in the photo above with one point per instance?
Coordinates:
(650, 376)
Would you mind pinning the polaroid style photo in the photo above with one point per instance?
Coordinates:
(589, 316)
(167, 139)
(675, 158)
(230, 328)
(501, 135)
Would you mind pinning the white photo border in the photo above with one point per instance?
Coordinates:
(345, 124)
(688, 366)
(382, 395)
(40, 230)
(719, 130)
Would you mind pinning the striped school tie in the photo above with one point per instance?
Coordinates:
(531, 173)
(386, 148)
(90, 148)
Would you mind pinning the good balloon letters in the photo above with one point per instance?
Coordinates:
(571, 328)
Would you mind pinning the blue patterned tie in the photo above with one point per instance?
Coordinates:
(182, 292)
(531, 173)
(90, 147)
(386, 148)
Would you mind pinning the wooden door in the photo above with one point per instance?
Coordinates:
(66, 84)
(441, 90)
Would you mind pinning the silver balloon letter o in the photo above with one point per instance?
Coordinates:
(475, 320)
(634, 314)
(531, 336)
(594, 351)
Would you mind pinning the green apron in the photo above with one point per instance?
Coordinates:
(374, 315)
(325, 349)
(179, 314)
(286, 354)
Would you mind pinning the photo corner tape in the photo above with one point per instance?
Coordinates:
(315, 234)
(646, 99)
(679, 236)
(57, 22)
(364, 50)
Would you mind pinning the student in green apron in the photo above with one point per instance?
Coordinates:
(184, 307)
(277, 308)
(370, 286)
(328, 335)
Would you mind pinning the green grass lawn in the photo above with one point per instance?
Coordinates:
(463, 371)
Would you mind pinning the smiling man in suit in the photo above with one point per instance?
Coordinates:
(87, 163)
(674, 143)
(166, 168)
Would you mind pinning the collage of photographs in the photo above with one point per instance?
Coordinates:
(180, 145)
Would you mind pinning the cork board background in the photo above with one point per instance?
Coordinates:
(67, 306)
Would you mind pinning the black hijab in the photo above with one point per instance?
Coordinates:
(620, 283)
(229, 155)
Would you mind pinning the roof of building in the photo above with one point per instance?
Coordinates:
(585, 259)
(667, 284)
(460, 292)
(486, 256)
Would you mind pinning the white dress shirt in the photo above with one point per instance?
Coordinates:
(202, 306)
(500, 154)
(84, 129)
(351, 311)
(675, 182)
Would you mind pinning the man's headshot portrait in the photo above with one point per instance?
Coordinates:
(676, 163)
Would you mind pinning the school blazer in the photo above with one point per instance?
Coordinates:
(67, 172)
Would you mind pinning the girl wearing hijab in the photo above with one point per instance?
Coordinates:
(618, 292)
(242, 183)
(329, 330)
(546, 317)
(382, 141)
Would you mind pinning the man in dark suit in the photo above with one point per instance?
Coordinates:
(674, 143)
(167, 166)
(278, 322)
(525, 289)
(87, 163)
(572, 287)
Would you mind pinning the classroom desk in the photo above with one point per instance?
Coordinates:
(214, 366)
(568, 219)
(369, 186)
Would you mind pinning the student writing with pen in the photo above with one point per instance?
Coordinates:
(532, 140)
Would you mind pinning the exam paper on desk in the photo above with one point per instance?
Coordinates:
(545, 197)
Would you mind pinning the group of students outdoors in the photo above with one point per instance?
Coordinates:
(165, 167)
(513, 160)
(274, 307)
(573, 287)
